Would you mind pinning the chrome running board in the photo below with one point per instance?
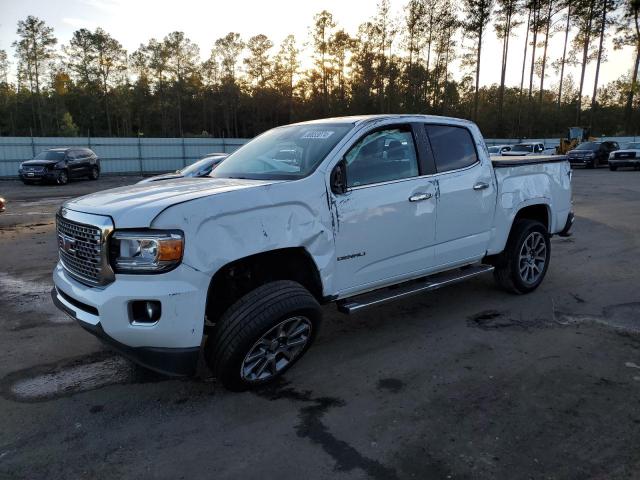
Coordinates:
(426, 284)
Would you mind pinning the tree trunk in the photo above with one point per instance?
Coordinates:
(536, 13)
(524, 63)
(585, 53)
(634, 81)
(475, 99)
(544, 54)
(564, 53)
(598, 60)
(503, 72)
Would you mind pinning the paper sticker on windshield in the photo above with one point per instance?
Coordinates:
(318, 134)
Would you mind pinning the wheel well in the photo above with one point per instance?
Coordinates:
(538, 212)
(239, 277)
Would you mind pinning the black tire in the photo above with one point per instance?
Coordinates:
(592, 164)
(248, 320)
(508, 268)
(95, 173)
(63, 177)
(612, 168)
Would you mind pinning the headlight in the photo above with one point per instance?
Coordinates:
(589, 154)
(60, 164)
(150, 251)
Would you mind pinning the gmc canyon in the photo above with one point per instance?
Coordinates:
(357, 210)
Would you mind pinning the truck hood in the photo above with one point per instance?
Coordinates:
(135, 206)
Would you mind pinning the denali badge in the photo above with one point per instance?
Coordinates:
(353, 255)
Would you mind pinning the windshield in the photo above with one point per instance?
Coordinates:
(632, 146)
(50, 155)
(587, 146)
(200, 165)
(284, 153)
(523, 147)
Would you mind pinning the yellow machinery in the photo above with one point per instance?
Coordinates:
(576, 136)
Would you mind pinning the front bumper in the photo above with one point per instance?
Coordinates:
(47, 175)
(621, 163)
(169, 345)
(581, 160)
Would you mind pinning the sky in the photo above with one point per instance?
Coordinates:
(133, 22)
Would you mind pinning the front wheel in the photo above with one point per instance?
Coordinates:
(525, 260)
(63, 178)
(612, 168)
(262, 335)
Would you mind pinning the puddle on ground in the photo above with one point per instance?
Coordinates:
(27, 296)
(76, 376)
(495, 319)
(623, 317)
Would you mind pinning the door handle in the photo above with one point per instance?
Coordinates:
(480, 186)
(419, 197)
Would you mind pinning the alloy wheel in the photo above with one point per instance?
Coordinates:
(532, 258)
(276, 349)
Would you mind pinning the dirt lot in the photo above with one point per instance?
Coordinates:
(466, 382)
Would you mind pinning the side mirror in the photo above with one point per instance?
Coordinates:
(338, 179)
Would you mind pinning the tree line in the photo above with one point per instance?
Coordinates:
(92, 85)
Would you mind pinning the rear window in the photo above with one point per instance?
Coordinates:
(452, 146)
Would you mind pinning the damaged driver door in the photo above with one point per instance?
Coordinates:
(385, 217)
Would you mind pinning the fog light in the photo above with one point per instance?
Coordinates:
(145, 311)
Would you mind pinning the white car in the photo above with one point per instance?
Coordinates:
(499, 149)
(628, 156)
(529, 149)
(360, 211)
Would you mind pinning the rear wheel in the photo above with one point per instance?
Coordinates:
(262, 335)
(95, 173)
(524, 262)
(612, 168)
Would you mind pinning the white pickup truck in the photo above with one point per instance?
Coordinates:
(361, 211)
(529, 149)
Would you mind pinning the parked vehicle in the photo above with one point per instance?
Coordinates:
(201, 168)
(499, 149)
(3, 204)
(527, 149)
(629, 156)
(59, 165)
(370, 209)
(575, 136)
(592, 154)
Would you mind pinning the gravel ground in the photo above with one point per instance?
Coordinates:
(464, 382)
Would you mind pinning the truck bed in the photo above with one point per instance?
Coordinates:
(516, 161)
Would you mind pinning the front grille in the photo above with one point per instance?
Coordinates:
(622, 155)
(34, 169)
(80, 249)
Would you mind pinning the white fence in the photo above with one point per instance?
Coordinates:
(118, 155)
(154, 155)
